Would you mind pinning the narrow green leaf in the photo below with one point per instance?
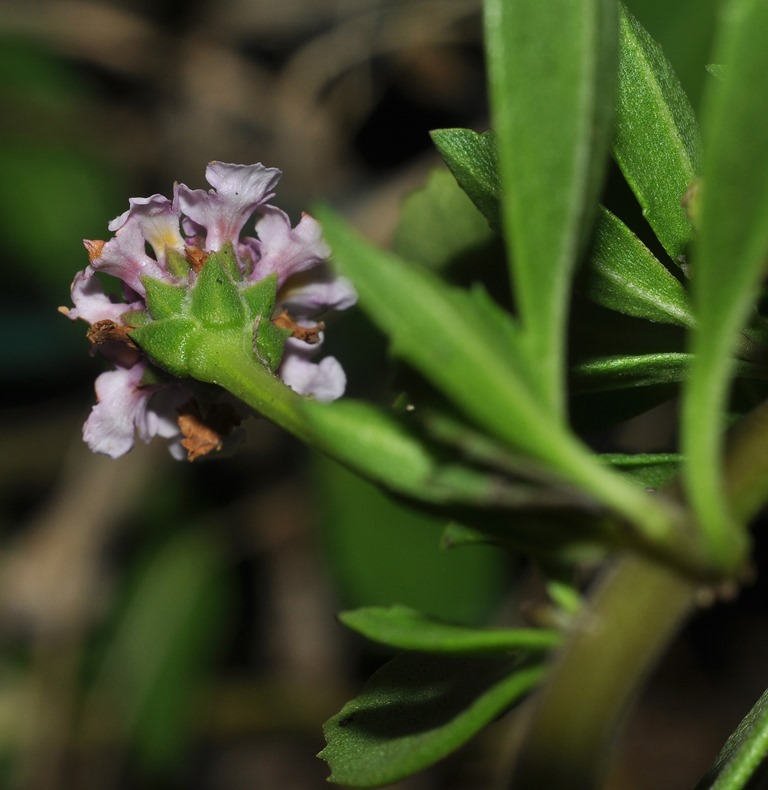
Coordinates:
(408, 629)
(622, 274)
(731, 254)
(656, 141)
(166, 636)
(621, 372)
(381, 448)
(467, 347)
(473, 160)
(371, 442)
(718, 71)
(645, 370)
(439, 224)
(743, 757)
(416, 710)
(552, 68)
(653, 470)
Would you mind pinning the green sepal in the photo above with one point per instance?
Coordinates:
(472, 159)
(164, 300)
(269, 342)
(167, 343)
(228, 260)
(135, 318)
(260, 297)
(176, 262)
(215, 298)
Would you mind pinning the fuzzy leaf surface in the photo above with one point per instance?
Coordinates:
(473, 160)
(468, 347)
(552, 71)
(731, 255)
(622, 274)
(743, 757)
(656, 141)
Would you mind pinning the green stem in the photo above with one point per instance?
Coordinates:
(235, 368)
(633, 615)
(746, 465)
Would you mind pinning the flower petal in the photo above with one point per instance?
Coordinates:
(238, 190)
(158, 219)
(110, 428)
(91, 303)
(324, 381)
(124, 257)
(312, 293)
(287, 250)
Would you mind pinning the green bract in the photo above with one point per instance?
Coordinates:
(219, 309)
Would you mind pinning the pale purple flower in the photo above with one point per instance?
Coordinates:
(324, 380)
(125, 257)
(238, 191)
(124, 408)
(132, 399)
(92, 304)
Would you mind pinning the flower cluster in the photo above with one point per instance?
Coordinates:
(160, 242)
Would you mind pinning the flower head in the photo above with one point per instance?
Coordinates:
(278, 285)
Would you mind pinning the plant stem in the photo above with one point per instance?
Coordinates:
(634, 613)
(235, 368)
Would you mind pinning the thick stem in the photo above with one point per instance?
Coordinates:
(631, 619)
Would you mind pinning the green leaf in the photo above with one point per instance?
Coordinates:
(467, 347)
(731, 254)
(473, 160)
(439, 224)
(622, 274)
(408, 629)
(153, 663)
(645, 370)
(653, 470)
(656, 141)
(364, 537)
(621, 372)
(743, 757)
(384, 450)
(416, 710)
(552, 69)
(718, 71)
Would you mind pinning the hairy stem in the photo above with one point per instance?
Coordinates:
(633, 615)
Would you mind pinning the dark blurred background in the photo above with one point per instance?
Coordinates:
(167, 625)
